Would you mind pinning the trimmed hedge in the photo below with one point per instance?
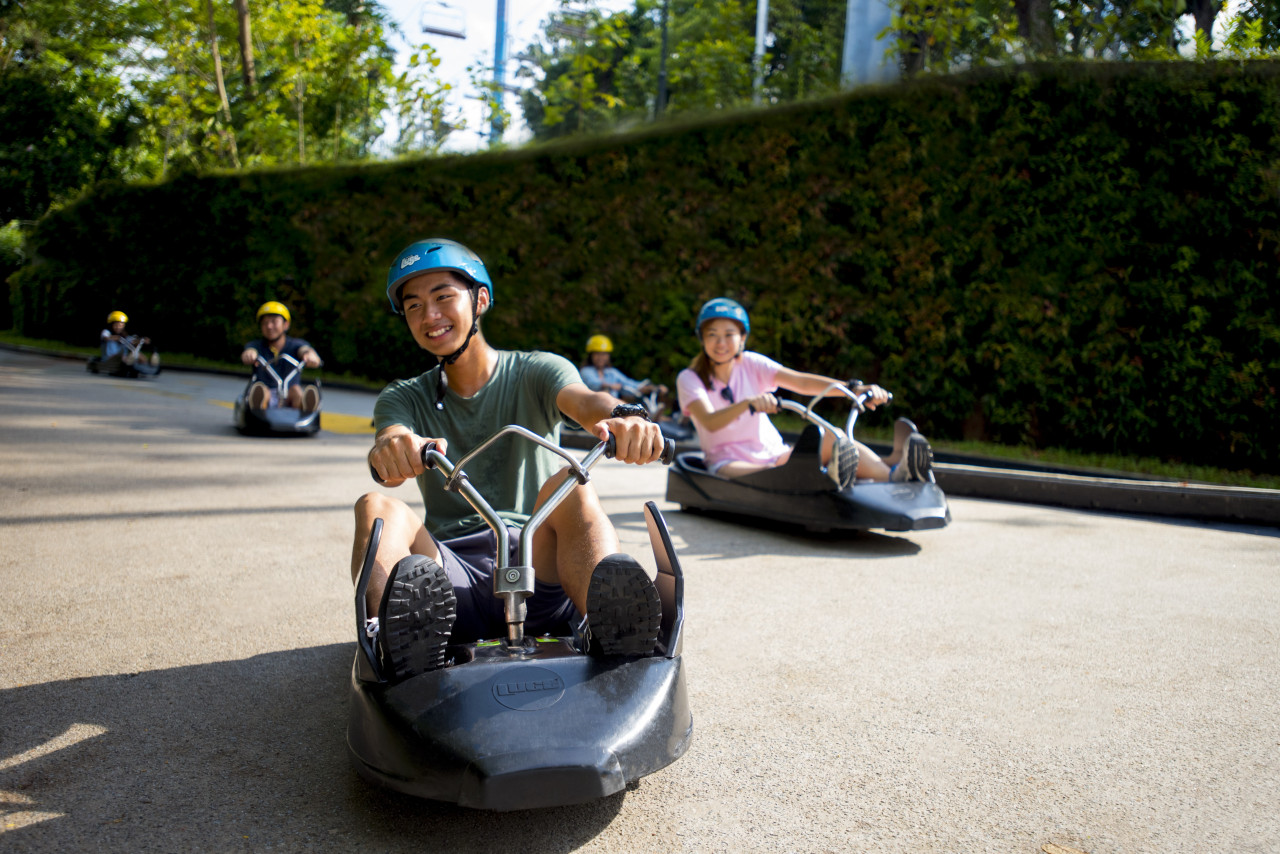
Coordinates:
(1080, 256)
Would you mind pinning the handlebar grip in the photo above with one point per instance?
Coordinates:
(667, 456)
(668, 451)
(426, 461)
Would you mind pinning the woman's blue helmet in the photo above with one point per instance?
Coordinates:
(437, 253)
(722, 307)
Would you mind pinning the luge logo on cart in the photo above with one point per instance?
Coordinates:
(508, 688)
(528, 689)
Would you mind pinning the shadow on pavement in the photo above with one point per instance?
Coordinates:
(244, 755)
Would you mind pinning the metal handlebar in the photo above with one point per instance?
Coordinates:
(281, 383)
(806, 412)
(514, 584)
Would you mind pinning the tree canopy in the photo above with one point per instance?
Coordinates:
(141, 89)
(138, 89)
(590, 70)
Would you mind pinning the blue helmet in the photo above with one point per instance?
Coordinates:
(722, 307)
(437, 253)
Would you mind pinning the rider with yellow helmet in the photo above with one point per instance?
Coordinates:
(273, 322)
(117, 344)
(599, 374)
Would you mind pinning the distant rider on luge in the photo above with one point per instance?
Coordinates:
(728, 391)
(273, 322)
(432, 579)
(122, 350)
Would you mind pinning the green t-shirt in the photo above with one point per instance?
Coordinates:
(509, 474)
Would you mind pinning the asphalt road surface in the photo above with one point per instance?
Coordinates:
(177, 633)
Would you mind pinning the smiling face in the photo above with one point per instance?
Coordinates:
(273, 326)
(116, 327)
(437, 307)
(600, 360)
(722, 339)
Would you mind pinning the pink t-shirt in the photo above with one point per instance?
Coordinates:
(748, 438)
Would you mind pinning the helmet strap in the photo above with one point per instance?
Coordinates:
(442, 381)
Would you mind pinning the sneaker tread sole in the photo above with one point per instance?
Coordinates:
(419, 614)
(919, 458)
(843, 467)
(623, 609)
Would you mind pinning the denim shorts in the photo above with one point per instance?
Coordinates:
(469, 562)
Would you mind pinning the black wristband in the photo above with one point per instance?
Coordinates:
(626, 410)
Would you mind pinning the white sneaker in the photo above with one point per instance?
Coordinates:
(843, 467)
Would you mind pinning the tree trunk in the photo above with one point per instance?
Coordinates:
(298, 96)
(1204, 12)
(228, 132)
(246, 47)
(1035, 24)
(915, 48)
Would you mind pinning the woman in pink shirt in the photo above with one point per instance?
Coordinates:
(728, 391)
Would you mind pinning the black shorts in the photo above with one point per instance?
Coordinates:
(469, 562)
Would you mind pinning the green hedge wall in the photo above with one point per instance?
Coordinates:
(1079, 256)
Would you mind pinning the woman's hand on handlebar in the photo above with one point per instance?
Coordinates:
(877, 395)
(397, 456)
(638, 441)
(766, 403)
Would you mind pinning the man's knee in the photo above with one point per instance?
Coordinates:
(394, 513)
(376, 505)
(583, 495)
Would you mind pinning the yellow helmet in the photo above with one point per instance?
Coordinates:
(599, 344)
(117, 316)
(274, 307)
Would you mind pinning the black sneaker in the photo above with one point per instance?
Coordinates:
(623, 609)
(843, 467)
(916, 463)
(415, 618)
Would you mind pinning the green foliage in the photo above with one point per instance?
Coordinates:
(321, 85)
(1078, 256)
(130, 89)
(593, 71)
(51, 143)
(12, 256)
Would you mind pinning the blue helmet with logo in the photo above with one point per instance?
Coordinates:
(437, 253)
(722, 307)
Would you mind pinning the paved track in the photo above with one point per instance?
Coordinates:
(177, 631)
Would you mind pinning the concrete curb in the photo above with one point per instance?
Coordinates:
(1207, 502)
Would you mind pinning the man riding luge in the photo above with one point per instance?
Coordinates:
(432, 579)
(275, 343)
